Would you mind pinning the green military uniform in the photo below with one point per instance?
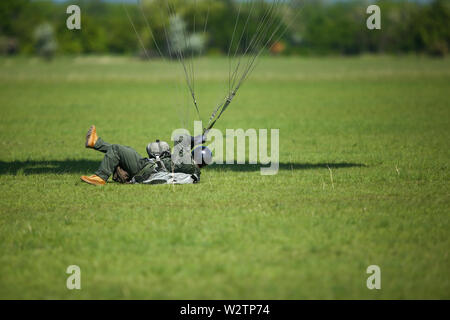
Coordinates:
(134, 164)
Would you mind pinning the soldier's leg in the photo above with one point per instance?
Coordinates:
(102, 146)
(126, 157)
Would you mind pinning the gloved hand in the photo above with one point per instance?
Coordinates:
(201, 139)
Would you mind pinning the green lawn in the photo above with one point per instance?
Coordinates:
(379, 125)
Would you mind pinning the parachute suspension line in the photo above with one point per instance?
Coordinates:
(135, 31)
(169, 46)
(206, 24)
(258, 38)
(137, 34)
(254, 40)
(231, 44)
(181, 59)
(188, 44)
(262, 30)
(258, 42)
(240, 40)
(190, 68)
(231, 94)
(270, 39)
(149, 28)
(169, 49)
(192, 49)
(190, 65)
(241, 72)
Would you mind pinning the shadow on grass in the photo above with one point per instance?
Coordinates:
(48, 167)
(88, 166)
(284, 166)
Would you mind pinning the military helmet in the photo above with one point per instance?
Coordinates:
(202, 156)
(158, 149)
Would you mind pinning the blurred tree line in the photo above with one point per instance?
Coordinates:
(313, 27)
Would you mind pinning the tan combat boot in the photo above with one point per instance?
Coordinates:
(94, 180)
(91, 137)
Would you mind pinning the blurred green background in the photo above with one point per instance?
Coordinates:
(314, 27)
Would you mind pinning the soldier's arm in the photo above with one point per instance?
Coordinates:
(201, 139)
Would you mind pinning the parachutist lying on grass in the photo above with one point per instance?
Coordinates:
(126, 165)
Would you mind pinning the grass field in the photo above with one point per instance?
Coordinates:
(379, 125)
